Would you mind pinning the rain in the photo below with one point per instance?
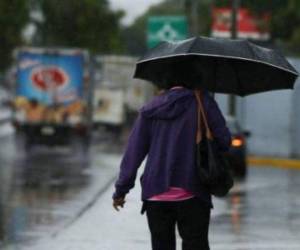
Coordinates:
(75, 79)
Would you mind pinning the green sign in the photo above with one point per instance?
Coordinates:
(166, 28)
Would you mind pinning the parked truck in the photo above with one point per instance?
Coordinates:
(118, 96)
(53, 96)
(109, 109)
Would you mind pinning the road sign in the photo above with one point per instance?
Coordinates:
(166, 28)
(248, 25)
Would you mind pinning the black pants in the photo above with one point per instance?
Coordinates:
(192, 218)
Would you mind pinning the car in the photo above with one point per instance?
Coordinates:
(237, 154)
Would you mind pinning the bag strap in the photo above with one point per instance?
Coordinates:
(201, 115)
(199, 132)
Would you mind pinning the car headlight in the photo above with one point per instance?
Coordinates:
(237, 142)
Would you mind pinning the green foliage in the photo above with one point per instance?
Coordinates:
(285, 25)
(93, 25)
(86, 23)
(13, 17)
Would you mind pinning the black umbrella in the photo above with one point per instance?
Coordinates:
(219, 65)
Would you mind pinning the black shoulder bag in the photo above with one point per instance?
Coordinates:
(213, 168)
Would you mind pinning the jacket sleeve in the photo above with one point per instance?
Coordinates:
(136, 150)
(217, 124)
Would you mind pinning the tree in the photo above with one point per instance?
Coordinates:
(86, 23)
(14, 15)
(286, 23)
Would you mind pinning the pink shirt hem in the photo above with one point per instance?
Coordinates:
(173, 194)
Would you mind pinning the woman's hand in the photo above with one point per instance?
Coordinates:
(118, 202)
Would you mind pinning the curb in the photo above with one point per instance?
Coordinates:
(274, 162)
(86, 207)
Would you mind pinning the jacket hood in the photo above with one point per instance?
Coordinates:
(169, 105)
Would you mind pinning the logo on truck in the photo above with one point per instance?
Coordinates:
(47, 78)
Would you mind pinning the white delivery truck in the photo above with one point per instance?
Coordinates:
(117, 96)
(109, 108)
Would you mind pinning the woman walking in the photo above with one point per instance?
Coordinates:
(172, 193)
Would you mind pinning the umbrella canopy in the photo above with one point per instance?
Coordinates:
(219, 65)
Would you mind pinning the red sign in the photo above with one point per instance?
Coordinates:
(49, 78)
(248, 25)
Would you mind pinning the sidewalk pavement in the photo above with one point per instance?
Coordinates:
(250, 225)
(103, 228)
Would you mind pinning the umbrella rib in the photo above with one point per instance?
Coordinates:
(242, 67)
(191, 47)
(219, 56)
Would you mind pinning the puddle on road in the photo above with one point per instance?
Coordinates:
(43, 191)
(263, 209)
(41, 185)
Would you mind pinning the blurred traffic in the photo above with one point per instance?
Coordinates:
(237, 155)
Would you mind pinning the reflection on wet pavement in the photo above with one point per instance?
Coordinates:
(261, 213)
(46, 190)
(40, 183)
(43, 193)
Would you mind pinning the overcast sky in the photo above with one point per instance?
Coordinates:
(133, 8)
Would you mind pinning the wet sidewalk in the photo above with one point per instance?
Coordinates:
(261, 213)
(101, 227)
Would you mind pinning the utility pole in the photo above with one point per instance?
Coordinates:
(195, 17)
(234, 34)
(234, 18)
(191, 10)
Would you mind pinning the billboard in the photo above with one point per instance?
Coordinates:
(249, 26)
(50, 78)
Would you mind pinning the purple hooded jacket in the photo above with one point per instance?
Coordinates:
(165, 130)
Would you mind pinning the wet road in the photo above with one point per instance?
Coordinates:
(261, 213)
(46, 190)
(53, 201)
